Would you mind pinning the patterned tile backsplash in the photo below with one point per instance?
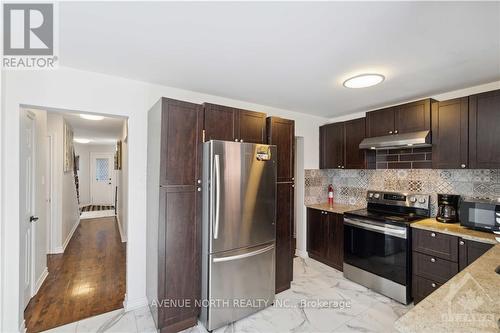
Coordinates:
(350, 186)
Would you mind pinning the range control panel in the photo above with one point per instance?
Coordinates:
(399, 199)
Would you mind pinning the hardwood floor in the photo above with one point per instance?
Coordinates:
(88, 279)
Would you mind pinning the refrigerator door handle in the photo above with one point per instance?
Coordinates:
(244, 255)
(217, 195)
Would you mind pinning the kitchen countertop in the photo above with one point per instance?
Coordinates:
(468, 302)
(455, 229)
(335, 208)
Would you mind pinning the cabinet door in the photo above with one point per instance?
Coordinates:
(284, 223)
(316, 233)
(281, 132)
(335, 242)
(180, 142)
(412, 117)
(354, 134)
(380, 122)
(484, 136)
(332, 146)
(219, 122)
(450, 123)
(179, 240)
(469, 251)
(251, 126)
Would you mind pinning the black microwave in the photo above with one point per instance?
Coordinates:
(479, 213)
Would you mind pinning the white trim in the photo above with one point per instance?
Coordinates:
(138, 303)
(22, 327)
(302, 254)
(40, 280)
(122, 237)
(61, 249)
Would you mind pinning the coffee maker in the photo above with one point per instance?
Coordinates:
(447, 211)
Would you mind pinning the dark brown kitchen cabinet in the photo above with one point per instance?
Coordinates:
(354, 158)
(232, 124)
(284, 227)
(281, 132)
(173, 211)
(484, 136)
(380, 122)
(331, 143)
(450, 137)
(325, 237)
(405, 118)
(470, 250)
(339, 145)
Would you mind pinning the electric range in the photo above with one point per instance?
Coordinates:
(377, 242)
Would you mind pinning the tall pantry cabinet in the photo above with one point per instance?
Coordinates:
(174, 212)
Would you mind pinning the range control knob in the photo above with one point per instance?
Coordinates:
(370, 195)
(413, 199)
(376, 195)
(422, 200)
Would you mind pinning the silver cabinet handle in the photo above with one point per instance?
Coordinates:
(461, 243)
(245, 255)
(433, 234)
(199, 181)
(217, 195)
(241, 140)
(433, 260)
(396, 132)
(235, 140)
(198, 189)
(462, 166)
(433, 285)
(390, 132)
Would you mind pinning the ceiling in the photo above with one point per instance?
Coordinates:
(289, 55)
(105, 131)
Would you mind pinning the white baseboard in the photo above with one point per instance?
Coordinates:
(302, 254)
(22, 327)
(66, 242)
(122, 236)
(138, 303)
(40, 280)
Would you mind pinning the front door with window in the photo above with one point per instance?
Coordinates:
(102, 179)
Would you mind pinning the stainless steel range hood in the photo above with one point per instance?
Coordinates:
(412, 139)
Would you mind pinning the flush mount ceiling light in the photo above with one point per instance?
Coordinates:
(363, 80)
(91, 117)
(81, 140)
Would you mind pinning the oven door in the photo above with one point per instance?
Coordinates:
(378, 248)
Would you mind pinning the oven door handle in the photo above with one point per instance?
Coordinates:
(383, 229)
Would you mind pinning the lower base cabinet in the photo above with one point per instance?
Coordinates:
(437, 257)
(284, 229)
(325, 237)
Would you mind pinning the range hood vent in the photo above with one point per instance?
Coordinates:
(413, 139)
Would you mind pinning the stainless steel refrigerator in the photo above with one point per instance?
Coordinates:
(239, 230)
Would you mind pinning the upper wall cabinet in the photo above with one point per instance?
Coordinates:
(450, 123)
(281, 132)
(484, 133)
(231, 124)
(339, 145)
(410, 117)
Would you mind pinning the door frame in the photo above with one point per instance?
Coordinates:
(93, 156)
(50, 170)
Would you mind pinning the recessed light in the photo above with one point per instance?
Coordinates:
(91, 117)
(363, 80)
(81, 140)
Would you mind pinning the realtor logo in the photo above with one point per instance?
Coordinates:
(28, 35)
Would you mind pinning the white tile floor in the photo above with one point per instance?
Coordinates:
(363, 311)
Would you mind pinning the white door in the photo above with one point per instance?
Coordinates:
(26, 200)
(102, 178)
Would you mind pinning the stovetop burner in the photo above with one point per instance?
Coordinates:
(394, 208)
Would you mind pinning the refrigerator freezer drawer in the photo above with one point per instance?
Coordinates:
(241, 282)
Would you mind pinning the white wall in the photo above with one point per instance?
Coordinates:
(66, 212)
(122, 178)
(84, 150)
(70, 89)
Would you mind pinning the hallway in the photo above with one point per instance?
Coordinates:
(87, 280)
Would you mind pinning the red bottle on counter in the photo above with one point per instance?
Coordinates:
(330, 195)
